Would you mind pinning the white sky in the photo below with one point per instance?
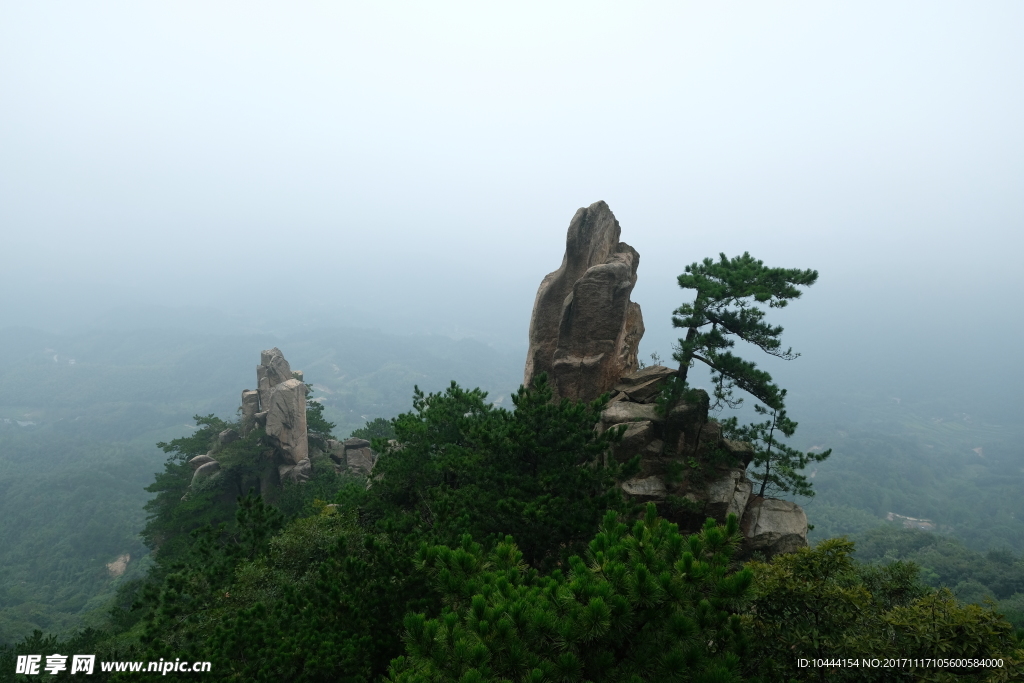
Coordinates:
(421, 161)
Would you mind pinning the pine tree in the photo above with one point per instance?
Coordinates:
(647, 604)
(723, 310)
(776, 465)
(727, 292)
(466, 466)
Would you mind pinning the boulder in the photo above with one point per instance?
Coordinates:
(647, 392)
(584, 331)
(298, 473)
(637, 437)
(624, 411)
(725, 495)
(700, 439)
(277, 368)
(297, 374)
(743, 451)
(655, 449)
(263, 387)
(644, 385)
(200, 460)
(272, 370)
(250, 406)
(643, 489)
(682, 424)
(686, 412)
(352, 455)
(336, 451)
(227, 436)
(286, 421)
(644, 376)
(205, 471)
(360, 460)
(772, 526)
(652, 463)
(600, 329)
(740, 498)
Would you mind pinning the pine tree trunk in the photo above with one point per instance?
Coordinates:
(684, 362)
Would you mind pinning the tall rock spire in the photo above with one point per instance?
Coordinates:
(585, 331)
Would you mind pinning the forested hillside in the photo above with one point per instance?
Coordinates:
(80, 416)
(938, 458)
(483, 550)
(77, 441)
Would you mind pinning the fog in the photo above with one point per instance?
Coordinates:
(414, 167)
(184, 184)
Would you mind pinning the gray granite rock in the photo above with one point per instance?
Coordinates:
(637, 437)
(200, 460)
(621, 412)
(298, 473)
(286, 421)
(205, 471)
(643, 489)
(227, 436)
(773, 526)
(584, 331)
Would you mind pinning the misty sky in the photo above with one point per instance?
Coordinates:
(417, 164)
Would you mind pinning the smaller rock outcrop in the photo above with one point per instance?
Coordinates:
(298, 473)
(226, 437)
(273, 367)
(205, 471)
(200, 460)
(250, 406)
(644, 385)
(279, 407)
(286, 420)
(772, 526)
(203, 467)
(669, 446)
(353, 456)
(622, 412)
(640, 438)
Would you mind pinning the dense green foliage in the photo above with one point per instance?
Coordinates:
(820, 604)
(320, 583)
(340, 592)
(945, 562)
(536, 473)
(378, 428)
(648, 604)
(266, 599)
(319, 601)
(69, 506)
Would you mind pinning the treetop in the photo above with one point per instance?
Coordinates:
(728, 281)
